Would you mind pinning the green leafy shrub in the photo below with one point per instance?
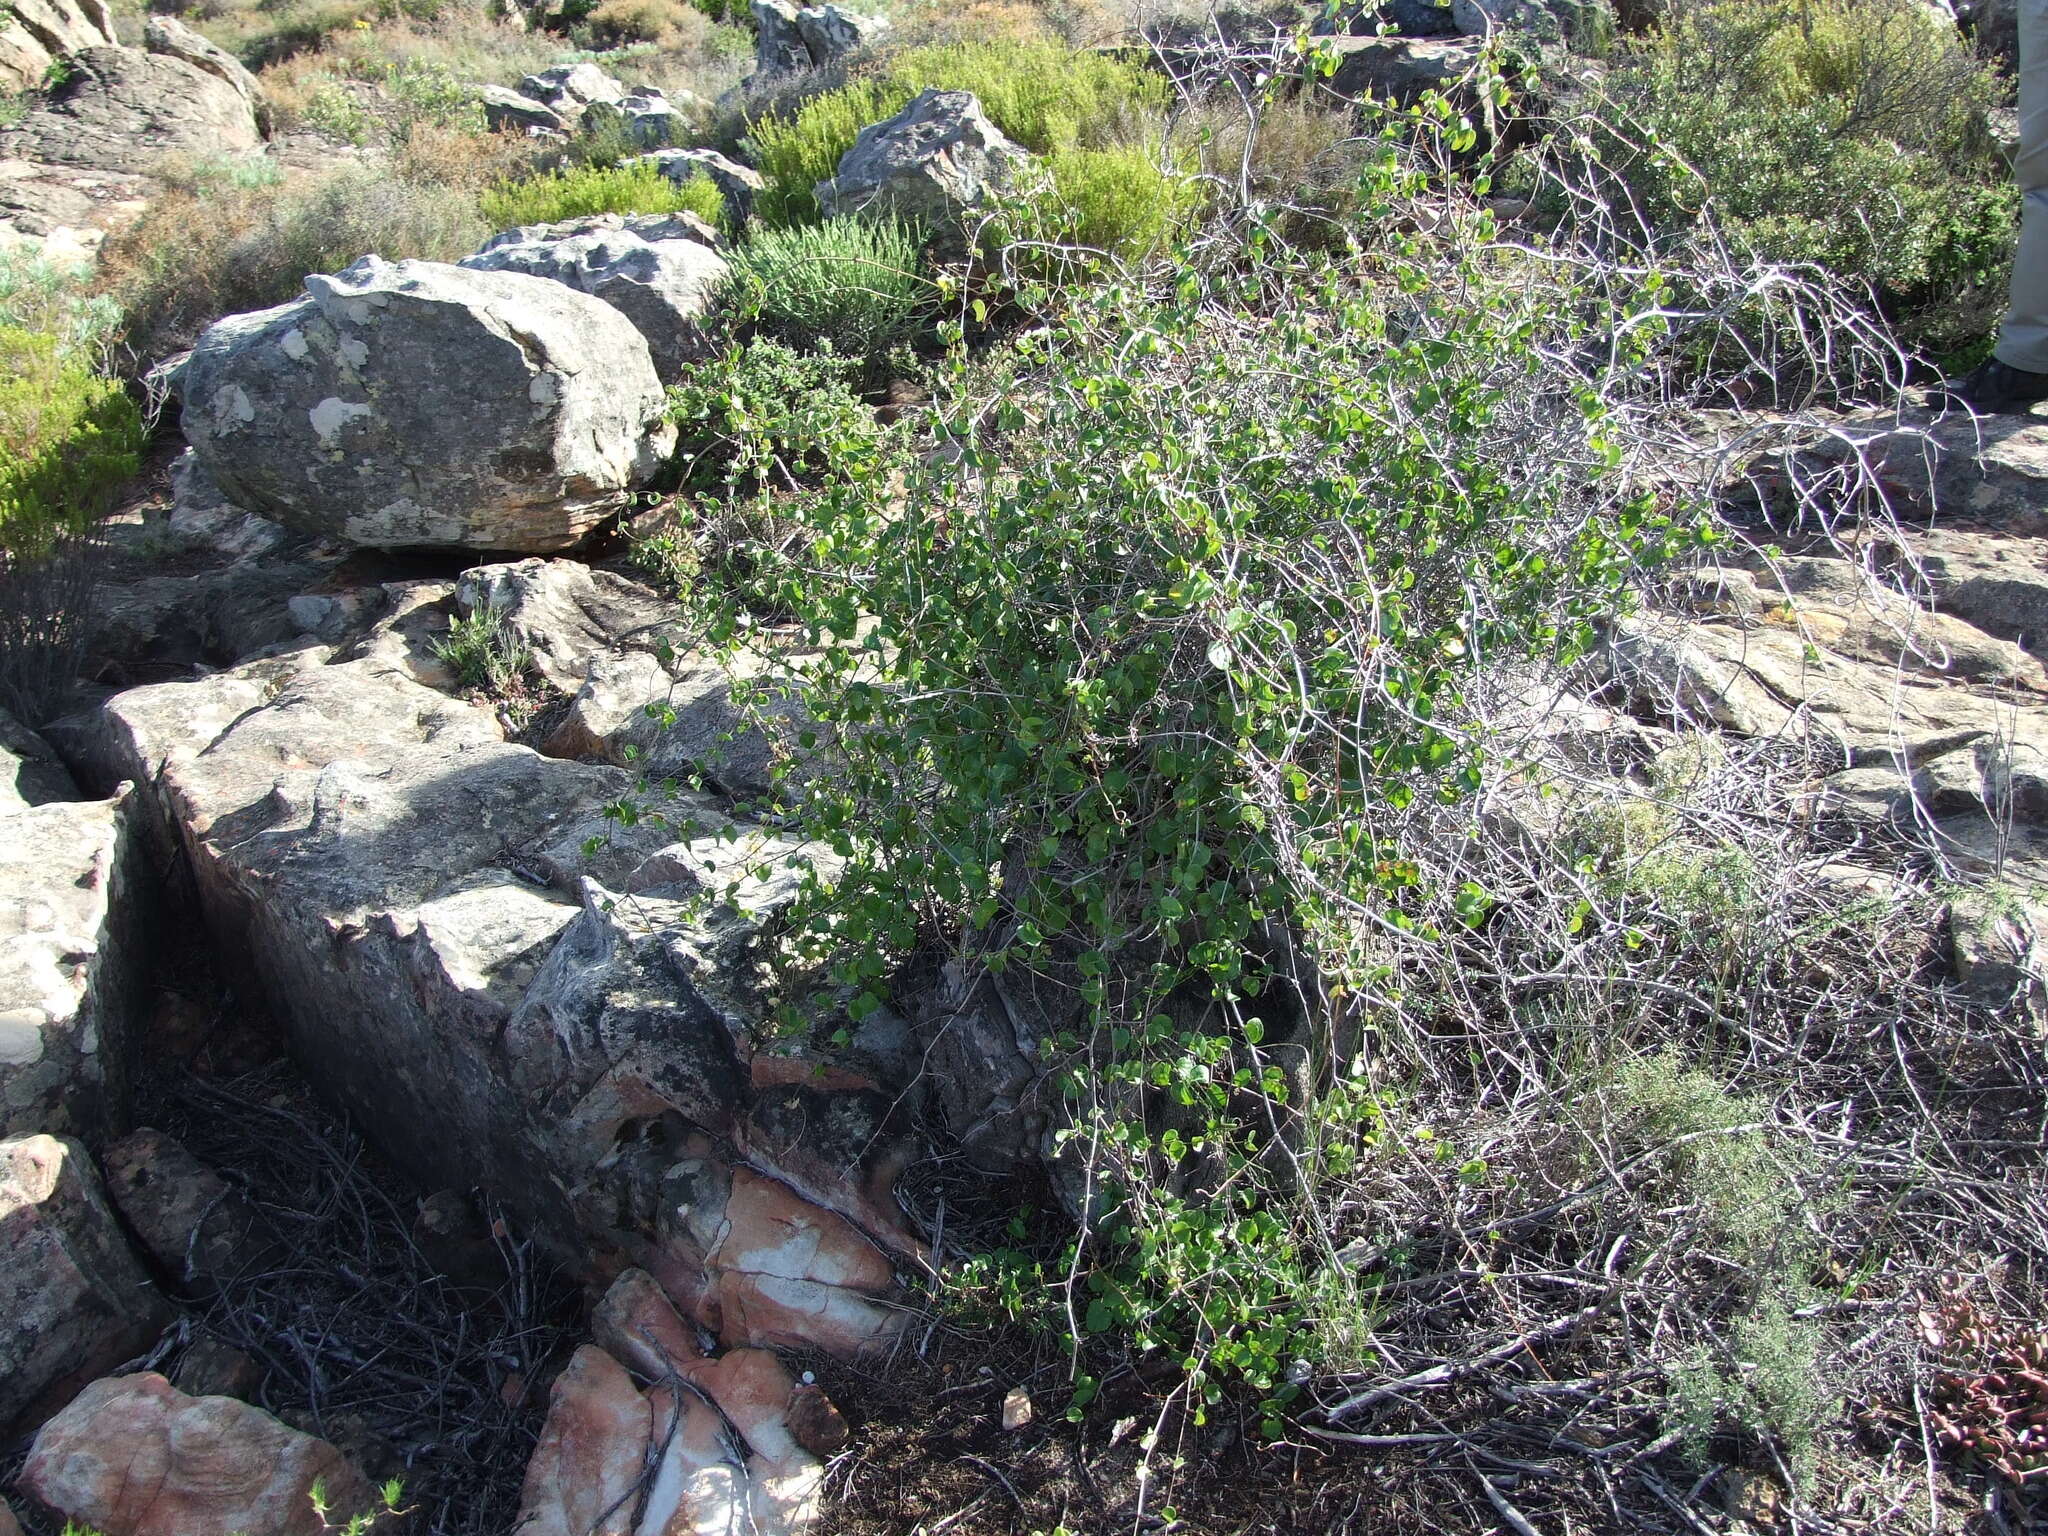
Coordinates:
(1847, 133)
(51, 298)
(584, 190)
(68, 438)
(1043, 96)
(760, 424)
(199, 254)
(852, 284)
(1148, 667)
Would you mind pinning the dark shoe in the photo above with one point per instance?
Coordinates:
(1991, 389)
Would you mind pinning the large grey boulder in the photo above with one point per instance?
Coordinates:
(569, 88)
(1399, 69)
(789, 39)
(422, 405)
(937, 160)
(651, 269)
(1557, 22)
(74, 1300)
(34, 34)
(170, 37)
(72, 906)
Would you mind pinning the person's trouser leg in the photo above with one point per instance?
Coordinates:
(2023, 339)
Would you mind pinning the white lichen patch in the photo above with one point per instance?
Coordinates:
(293, 344)
(331, 415)
(231, 408)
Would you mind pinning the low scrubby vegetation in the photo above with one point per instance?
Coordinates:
(70, 436)
(1251, 482)
(1048, 98)
(579, 192)
(1847, 133)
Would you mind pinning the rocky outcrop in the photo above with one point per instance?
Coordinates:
(73, 1299)
(738, 183)
(789, 38)
(73, 904)
(1991, 471)
(568, 88)
(34, 34)
(650, 268)
(512, 990)
(510, 111)
(1398, 69)
(568, 613)
(635, 697)
(649, 120)
(1573, 23)
(585, 1475)
(937, 160)
(200, 1229)
(133, 1456)
(1917, 721)
(121, 109)
(31, 773)
(421, 405)
(170, 37)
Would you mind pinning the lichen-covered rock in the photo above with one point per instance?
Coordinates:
(789, 38)
(508, 111)
(569, 88)
(421, 405)
(935, 161)
(1398, 69)
(72, 918)
(134, 1456)
(1556, 22)
(737, 182)
(651, 269)
(73, 1299)
(567, 612)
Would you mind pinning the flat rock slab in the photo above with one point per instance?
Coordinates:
(74, 905)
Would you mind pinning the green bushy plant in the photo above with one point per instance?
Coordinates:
(1119, 201)
(581, 191)
(68, 438)
(763, 426)
(1149, 667)
(853, 284)
(1846, 133)
(484, 652)
(1040, 94)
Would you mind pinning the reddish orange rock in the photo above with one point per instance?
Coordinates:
(584, 1478)
(133, 1456)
